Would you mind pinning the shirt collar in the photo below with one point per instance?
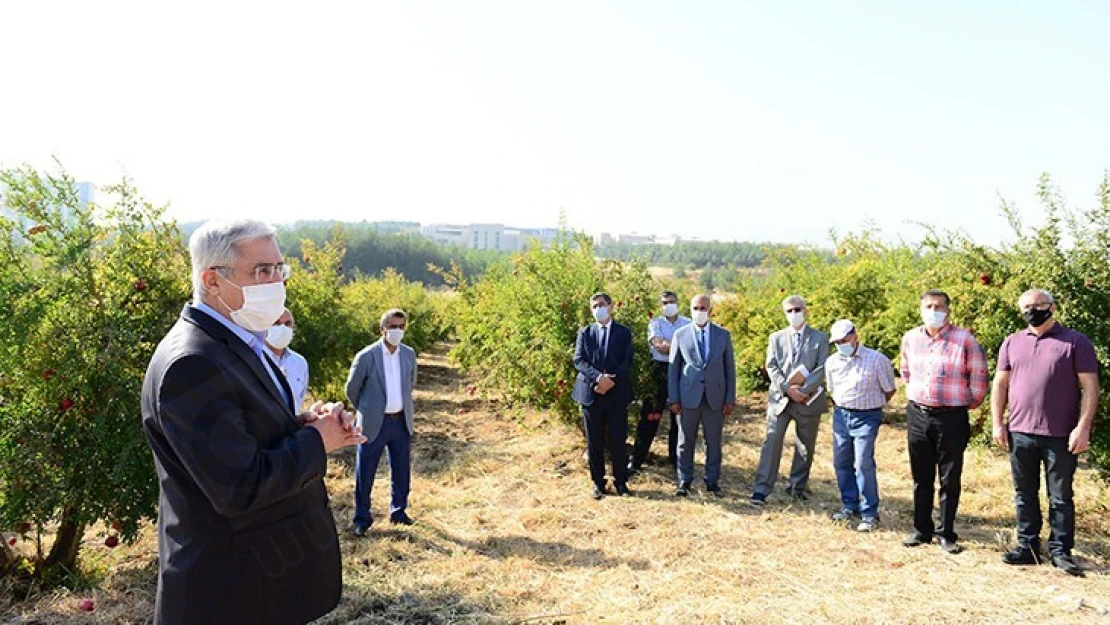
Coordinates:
(944, 330)
(244, 334)
(1056, 327)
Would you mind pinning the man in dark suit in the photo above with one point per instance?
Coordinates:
(603, 358)
(701, 387)
(245, 534)
(380, 387)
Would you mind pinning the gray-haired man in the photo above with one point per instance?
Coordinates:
(789, 349)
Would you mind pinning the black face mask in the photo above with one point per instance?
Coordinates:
(1036, 317)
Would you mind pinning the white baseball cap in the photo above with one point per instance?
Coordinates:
(841, 329)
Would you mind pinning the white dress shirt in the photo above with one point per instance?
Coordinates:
(295, 368)
(394, 400)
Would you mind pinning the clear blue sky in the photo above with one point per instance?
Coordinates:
(731, 120)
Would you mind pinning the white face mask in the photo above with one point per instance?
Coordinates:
(262, 305)
(393, 336)
(279, 337)
(933, 318)
(670, 310)
(796, 319)
(601, 313)
(700, 317)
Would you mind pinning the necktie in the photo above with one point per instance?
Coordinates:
(797, 342)
(703, 349)
(604, 344)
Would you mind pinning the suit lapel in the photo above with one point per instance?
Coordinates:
(378, 354)
(217, 331)
(280, 375)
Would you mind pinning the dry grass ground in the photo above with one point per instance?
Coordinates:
(508, 534)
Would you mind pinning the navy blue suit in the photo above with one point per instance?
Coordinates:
(605, 416)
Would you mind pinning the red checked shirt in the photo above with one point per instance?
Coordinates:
(947, 370)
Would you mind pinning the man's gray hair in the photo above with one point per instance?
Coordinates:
(797, 300)
(215, 244)
(1041, 292)
(391, 313)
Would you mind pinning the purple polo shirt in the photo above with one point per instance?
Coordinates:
(1044, 378)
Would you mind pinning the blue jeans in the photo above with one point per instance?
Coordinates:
(854, 434)
(395, 440)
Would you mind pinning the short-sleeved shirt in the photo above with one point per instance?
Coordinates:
(659, 326)
(1044, 378)
(860, 382)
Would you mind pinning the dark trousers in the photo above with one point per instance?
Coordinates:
(395, 440)
(646, 429)
(1027, 452)
(606, 426)
(937, 440)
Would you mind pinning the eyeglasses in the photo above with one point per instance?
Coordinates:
(1038, 306)
(265, 272)
(796, 309)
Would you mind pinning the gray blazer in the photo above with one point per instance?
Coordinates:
(366, 386)
(690, 378)
(781, 360)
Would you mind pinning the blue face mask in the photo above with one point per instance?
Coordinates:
(601, 313)
(846, 350)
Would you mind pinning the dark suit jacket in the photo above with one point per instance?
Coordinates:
(618, 361)
(244, 530)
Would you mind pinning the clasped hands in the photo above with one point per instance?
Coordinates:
(334, 423)
(604, 383)
(795, 392)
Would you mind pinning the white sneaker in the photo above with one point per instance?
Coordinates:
(867, 525)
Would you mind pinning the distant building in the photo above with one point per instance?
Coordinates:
(404, 227)
(635, 239)
(445, 234)
(497, 237)
(483, 236)
(632, 238)
(545, 236)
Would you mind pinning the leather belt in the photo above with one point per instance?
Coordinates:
(395, 415)
(935, 410)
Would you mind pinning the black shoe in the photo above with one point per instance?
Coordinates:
(917, 539)
(758, 499)
(1064, 562)
(401, 519)
(683, 489)
(949, 546)
(360, 530)
(714, 489)
(598, 492)
(798, 495)
(632, 469)
(1021, 555)
(622, 490)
